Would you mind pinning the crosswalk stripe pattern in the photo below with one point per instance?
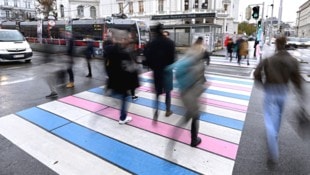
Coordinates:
(79, 134)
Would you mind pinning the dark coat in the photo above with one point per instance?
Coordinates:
(279, 69)
(159, 54)
(121, 78)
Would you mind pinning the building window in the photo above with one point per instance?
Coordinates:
(15, 3)
(121, 7)
(160, 5)
(93, 12)
(141, 7)
(130, 7)
(186, 5)
(6, 2)
(196, 5)
(62, 11)
(204, 5)
(80, 11)
(7, 14)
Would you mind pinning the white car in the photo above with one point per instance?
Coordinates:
(293, 42)
(14, 46)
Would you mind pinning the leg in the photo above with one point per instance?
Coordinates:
(156, 104)
(168, 104)
(71, 78)
(123, 117)
(89, 68)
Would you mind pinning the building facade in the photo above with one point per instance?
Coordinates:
(20, 10)
(226, 11)
(303, 20)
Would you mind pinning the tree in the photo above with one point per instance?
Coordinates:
(247, 28)
(46, 7)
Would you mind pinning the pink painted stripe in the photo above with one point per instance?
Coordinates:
(91, 106)
(216, 103)
(221, 85)
(210, 144)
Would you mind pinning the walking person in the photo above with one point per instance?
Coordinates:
(70, 61)
(230, 45)
(89, 53)
(121, 77)
(160, 53)
(274, 74)
(190, 77)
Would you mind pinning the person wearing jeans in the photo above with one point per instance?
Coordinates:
(274, 74)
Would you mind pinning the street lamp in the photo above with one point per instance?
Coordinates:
(271, 23)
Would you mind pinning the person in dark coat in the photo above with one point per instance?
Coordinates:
(275, 74)
(89, 52)
(70, 62)
(122, 75)
(230, 45)
(160, 53)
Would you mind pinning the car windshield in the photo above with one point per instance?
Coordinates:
(292, 39)
(11, 35)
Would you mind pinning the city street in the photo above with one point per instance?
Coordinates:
(78, 133)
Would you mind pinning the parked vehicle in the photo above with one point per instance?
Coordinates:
(14, 46)
(293, 43)
(305, 42)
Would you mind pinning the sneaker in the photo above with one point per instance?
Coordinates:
(52, 95)
(70, 85)
(89, 75)
(168, 113)
(127, 120)
(134, 97)
(196, 142)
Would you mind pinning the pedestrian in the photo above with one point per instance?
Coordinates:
(230, 47)
(225, 45)
(190, 77)
(121, 67)
(243, 51)
(70, 61)
(160, 53)
(89, 53)
(274, 74)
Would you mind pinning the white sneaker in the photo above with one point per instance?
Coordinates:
(127, 120)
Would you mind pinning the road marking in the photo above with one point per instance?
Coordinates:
(16, 81)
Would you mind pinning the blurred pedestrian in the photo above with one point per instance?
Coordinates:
(225, 45)
(70, 61)
(89, 53)
(190, 77)
(121, 69)
(160, 53)
(244, 51)
(275, 73)
(230, 47)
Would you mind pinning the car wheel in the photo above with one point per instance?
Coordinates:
(28, 61)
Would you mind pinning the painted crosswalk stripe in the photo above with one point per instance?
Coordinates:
(202, 162)
(206, 128)
(212, 118)
(105, 147)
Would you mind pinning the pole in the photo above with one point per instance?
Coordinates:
(271, 24)
(280, 14)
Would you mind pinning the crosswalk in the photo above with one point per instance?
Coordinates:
(79, 134)
(219, 60)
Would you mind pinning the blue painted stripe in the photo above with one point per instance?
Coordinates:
(130, 158)
(207, 117)
(42, 118)
(210, 91)
(220, 79)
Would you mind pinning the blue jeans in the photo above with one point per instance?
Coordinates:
(275, 96)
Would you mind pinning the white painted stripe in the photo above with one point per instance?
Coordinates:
(16, 81)
(211, 88)
(158, 145)
(206, 128)
(231, 78)
(59, 155)
(204, 108)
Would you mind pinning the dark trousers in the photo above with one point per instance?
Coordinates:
(70, 72)
(123, 106)
(88, 59)
(167, 101)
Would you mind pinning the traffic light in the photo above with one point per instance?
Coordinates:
(255, 13)
(259, 24)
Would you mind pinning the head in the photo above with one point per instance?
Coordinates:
(199, 40)
(166, 33)
(280, 43)
(159, 29)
